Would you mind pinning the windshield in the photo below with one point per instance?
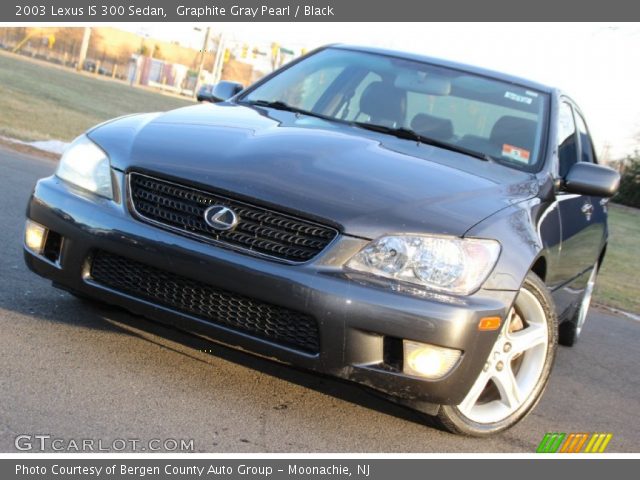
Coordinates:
(494, 119)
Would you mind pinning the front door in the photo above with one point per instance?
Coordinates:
(582, 217)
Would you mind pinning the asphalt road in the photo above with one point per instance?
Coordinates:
(75, 370)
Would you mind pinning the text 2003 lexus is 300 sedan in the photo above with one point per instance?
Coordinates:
(423, 228)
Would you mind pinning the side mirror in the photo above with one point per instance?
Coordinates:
(225, 90)
(591, 179)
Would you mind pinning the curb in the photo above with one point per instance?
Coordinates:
(617, 311)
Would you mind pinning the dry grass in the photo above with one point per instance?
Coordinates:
(618, 282)
(39, 102)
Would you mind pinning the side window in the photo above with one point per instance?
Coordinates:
(567, 147)
(586, 145)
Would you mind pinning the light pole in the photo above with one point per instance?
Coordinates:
(216, 70)
(205, 47)
(136, 60)
(84, 47)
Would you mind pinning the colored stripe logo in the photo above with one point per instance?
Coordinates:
(574, 443)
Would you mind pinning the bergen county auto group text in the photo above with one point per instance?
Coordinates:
(191, 470)
(143, 471)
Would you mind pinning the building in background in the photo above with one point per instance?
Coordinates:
(141, 60)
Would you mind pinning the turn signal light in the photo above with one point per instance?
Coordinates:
(489, 323)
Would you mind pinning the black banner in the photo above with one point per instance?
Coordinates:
(339, 469)
(23, 11)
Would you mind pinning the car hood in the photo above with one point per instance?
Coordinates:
(365, 183)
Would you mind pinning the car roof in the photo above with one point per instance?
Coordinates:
(454, 65)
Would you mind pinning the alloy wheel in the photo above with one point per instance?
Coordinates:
(515, 364)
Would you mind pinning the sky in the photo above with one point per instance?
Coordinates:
(597, 64)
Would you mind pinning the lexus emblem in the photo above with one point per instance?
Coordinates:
(220, 217)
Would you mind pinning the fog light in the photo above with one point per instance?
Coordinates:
(428, 361)
(35, 236)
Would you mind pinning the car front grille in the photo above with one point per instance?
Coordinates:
(271, 322)
(259, 231)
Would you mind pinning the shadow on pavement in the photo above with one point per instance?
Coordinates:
(78, 312)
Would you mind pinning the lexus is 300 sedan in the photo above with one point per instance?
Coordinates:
(426, 229)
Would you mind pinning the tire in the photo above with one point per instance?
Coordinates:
(571, 329)
(517, 370)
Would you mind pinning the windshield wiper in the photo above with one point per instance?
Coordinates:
(400, 132)
(408, 134)
(280, 105)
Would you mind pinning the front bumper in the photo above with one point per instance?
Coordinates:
(354, 318)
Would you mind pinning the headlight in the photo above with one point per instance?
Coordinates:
(85, 165)
(445, 264)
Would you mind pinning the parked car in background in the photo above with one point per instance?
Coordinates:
(423, 228)
(91, 66)
(204, 93)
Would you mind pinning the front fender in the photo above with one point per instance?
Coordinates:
(526, 231)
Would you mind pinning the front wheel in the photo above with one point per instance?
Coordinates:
(517, 370)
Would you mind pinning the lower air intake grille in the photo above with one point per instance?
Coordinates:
(271, 322)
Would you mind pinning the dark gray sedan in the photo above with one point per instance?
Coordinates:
(424, 228)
